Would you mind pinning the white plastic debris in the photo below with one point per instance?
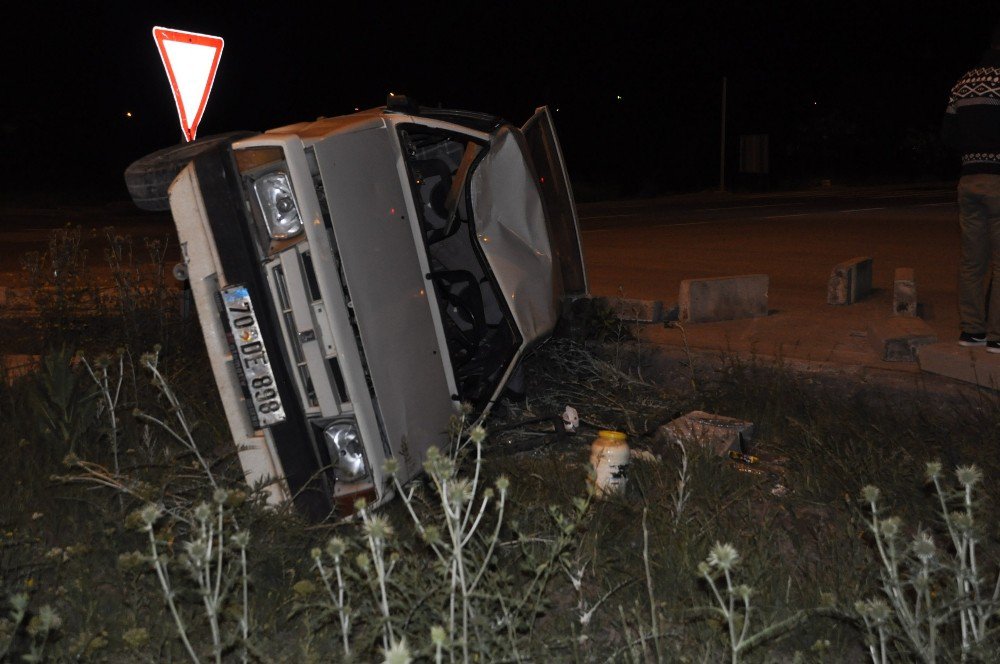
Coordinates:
(571, 419)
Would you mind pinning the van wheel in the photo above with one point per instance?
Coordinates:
(149, 177)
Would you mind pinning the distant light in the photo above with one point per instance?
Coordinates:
(392, 210)
(815, 103)
(128, 114)
(357, 108)
(619, 97)
(542, 179)
(557, 110)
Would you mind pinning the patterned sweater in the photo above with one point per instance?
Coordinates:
(972, 118)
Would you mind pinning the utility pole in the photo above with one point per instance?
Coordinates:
(722, 141)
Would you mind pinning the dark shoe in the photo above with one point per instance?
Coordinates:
(993, 346)
(969, 339)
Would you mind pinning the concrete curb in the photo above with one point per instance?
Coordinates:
(897, 339)
(723, 298)
(850, 281)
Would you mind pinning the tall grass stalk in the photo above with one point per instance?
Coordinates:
(184, 436)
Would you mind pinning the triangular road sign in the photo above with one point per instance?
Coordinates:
(190, 60)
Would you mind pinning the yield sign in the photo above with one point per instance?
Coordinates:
(190, 60)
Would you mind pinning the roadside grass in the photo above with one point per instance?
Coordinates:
(565, 576)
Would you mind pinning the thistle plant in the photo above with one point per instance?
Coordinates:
(926, 586)
(463, 504)
(214, 563)
(336, 547)
(734, 605)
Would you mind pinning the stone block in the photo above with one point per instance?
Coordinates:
(723, 298)
(971, 365)
(904, 292)
(636, 311)
(718, 433)
(850, 281)
(896, 339)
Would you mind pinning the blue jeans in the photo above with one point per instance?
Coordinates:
(979, 217)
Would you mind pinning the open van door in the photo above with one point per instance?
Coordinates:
(557, 194)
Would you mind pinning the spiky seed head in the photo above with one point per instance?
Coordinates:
(923, 547)
(203, 512)
(432, 535)
(477, 434)
(962, 521)
(968, 475)
(870, 493)
(743, 592)
(360, 504)
(876, 609)
(438, 635)
(363, 561)
(197, 550)
(461, 492)
(391, 467)
(241, 539)
(933, 470)
(890, 527)
(219, 496)
(723, 556)
(150, 514)
(398, 653)
(502, 483)
(378, 528)
(336, 547)
(315, 553)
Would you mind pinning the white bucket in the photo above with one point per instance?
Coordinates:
(609, 456)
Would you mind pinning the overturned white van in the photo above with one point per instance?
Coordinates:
(357, 278)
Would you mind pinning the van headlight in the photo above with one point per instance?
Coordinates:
(347, 453)
(269, 197)
(277, 205)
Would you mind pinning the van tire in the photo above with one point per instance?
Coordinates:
(149, 177)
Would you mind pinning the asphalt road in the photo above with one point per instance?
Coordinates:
(644, 248)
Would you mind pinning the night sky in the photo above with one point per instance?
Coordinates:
(852, 91)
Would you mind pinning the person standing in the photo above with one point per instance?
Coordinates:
(972, 127)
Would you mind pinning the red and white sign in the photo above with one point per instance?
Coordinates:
(190, 60)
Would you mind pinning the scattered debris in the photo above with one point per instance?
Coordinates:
(718, 433)
(570, 420)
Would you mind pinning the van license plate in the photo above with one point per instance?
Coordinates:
(250, 358)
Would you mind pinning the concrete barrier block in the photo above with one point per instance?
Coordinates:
(850, 281)
(904, 292)
(636, 311)
(723, 298)
(896, 339)
(971, 365)
(718, 433)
